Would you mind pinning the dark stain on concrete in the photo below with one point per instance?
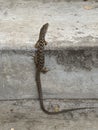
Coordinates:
(83, 58)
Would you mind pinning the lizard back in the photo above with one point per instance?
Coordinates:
(40, 55)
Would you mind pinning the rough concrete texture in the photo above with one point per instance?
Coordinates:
(73, 74)
(71, 23)
(26, 115)
(71, 56)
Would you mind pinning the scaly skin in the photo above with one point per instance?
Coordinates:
(39, 61)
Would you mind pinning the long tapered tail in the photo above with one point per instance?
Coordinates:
(38, 82)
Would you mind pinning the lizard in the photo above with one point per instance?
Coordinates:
(39, 60)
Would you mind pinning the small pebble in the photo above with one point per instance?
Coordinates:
(12, 129)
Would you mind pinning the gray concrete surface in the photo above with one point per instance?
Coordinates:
(71, 23)
(26, 115)
(73, 74)
(71, 56)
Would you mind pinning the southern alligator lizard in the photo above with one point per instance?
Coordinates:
(39, 62)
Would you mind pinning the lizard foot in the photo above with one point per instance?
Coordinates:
(44, 70)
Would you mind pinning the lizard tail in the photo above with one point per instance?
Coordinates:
(38, 82)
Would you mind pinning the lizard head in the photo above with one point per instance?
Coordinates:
(41, 40)
(45, 26)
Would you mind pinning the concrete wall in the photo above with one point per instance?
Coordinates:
(71, 56)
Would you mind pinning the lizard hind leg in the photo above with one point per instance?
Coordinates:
(46, 43)
(44, 70)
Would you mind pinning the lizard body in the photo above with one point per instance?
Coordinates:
(39, 62)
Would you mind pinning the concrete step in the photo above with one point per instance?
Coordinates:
(72, 24)
(26, 114)
(73, 74)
